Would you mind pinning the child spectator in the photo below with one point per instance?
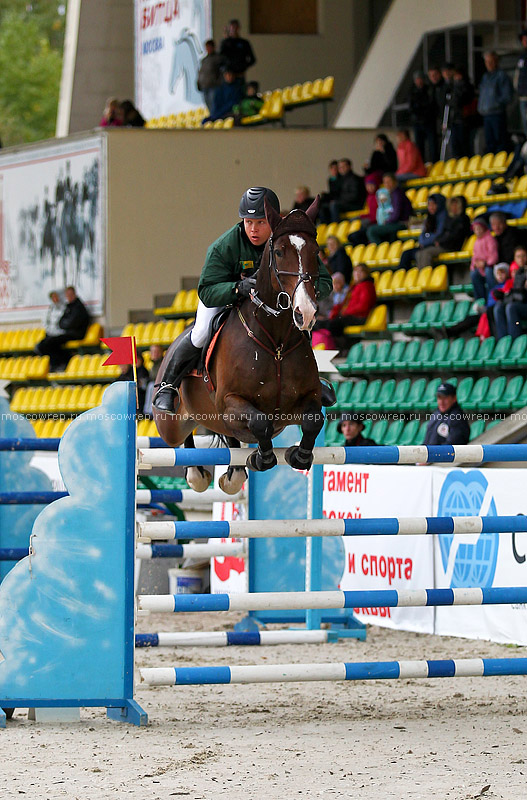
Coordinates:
(250, 104)
(409, 160)
(112, 115)
(432, 229)
(511, 305)
(338, 260)
(398, 216)
(486, 324)
(484, 257)
(131, 116)
(359, 237)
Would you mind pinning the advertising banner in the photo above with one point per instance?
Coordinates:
(170, 37)
(51, 227)
(487, 560)
(384, 562)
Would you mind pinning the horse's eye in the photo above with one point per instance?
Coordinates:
(279, 253)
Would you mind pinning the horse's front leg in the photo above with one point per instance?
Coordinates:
(301, 456)
(240, 417)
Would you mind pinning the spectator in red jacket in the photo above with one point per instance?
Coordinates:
(357, 304)
(409, 160)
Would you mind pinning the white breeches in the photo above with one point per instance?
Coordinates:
(198, 337)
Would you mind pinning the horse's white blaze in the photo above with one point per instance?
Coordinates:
(303, 303)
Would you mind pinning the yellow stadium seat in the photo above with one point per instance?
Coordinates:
(446, 190)
(409, 244)
(458, 188)
(409, 285)
(63, 398)
(139, 330)
(423, 280)
(38, 425)
(383, 284)
(46, 429)
(410, 193)
(287, 92)
(54, 399)
(45, 399)
(473, 169)
(483, 187)
(520, 190)
(327, 88)
(449, 167)
(421, 197)
(307, 92)
(18, 400)
(228, 123)
(296, 94)
(486, 163)
(331, 230)
(38, 368)
(142, 427)
(191, 301)
(480, 210)
(25, 339)
(147, 334)
(83, 401)
(461, 166)
(91, 339)
(436, 170)
(381, 254)
(358, 254)
(179, 328)
(368, 256)
(399, 277)
(316, 89)
(439, 279)
(72, 403)
(34, 400)
(343, 230)
(321, 234)
(128, 329)
(499, 163)
(376, 321)
(355, 225)
(375, 277)
(394, 253)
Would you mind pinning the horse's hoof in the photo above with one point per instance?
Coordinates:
(258, 463)
(231, 484)
(198, 478)
(297, 458)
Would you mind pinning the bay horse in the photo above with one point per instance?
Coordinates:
(262, 374)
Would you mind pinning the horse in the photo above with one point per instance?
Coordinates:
(262, 374)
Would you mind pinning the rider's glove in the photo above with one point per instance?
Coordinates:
(244, 287)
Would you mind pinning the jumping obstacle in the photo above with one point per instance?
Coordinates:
(83, 550)
(229, 638)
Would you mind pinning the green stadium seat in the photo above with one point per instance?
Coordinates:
(493, 423)
(428, 401)
(394, 432)
(416, 317)
(461, 309)
(455, 349)
(344, 394)
(395, 354)
(496, 392)
(486, 350)
(382, 353)
(438, 353)
(507, 401)
(517, 355)
(423, 355)
(421, 433)
(331, 435)
(463, 390)
(399, 396)
(432, 317)
(469, 353)
(476, 400)
(358, 392)
(370, 396)
(367, 427)
(501, 351)
(378, 431)
(476, 428)
(408, 435)
(385, 395)
(369, 361)
(521, 400)
(354, 359)
(409, 355)
(414, 395)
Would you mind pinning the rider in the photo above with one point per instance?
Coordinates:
(228, 275)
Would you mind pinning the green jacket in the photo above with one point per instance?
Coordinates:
(227, 258)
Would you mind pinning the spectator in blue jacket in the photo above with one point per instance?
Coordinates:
(495, 94)
(448, 424)
(227, 95)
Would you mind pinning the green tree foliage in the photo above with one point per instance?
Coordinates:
(31, 37)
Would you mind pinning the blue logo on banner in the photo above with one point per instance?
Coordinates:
(462, 494)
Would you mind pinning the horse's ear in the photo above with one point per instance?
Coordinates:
(273, 217)
(312, 211)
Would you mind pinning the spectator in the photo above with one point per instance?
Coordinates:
(487, 325)
(250, 104)
(511, 305)
(423, 117)
(351, 426)
(448, 424)
(357, 304)
(383, 159)
(455, 230)
(437, 90)
(495, 94)
(131, 116)
(227, 96)
(209, 75)
(359, 237)
(507, 238)
(112, 115)
(462, 111)
(520, 260)
(127, 374)
(484, 258)
(398, 217)
(73, 324)
(302, 199)
(350, 193)
(53, 315)
(338, 259)
(520, 80)
(323, 337)
(333, 183)
(433, 227)
(236, 52)
(409, 161)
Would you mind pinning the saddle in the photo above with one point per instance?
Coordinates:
(215, 326)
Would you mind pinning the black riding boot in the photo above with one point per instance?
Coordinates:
(329, 398)
(184, 358)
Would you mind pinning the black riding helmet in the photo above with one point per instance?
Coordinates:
(252, 202)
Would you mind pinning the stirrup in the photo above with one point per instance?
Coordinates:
(166, 391)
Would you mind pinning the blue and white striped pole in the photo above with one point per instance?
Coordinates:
(377, 526)
(365, 671)
(229, 638)
(50, 445)
(383, 598)
(406, 454)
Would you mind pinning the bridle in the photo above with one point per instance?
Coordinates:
(282, 305)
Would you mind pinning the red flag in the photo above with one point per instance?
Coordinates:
(122, 348)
